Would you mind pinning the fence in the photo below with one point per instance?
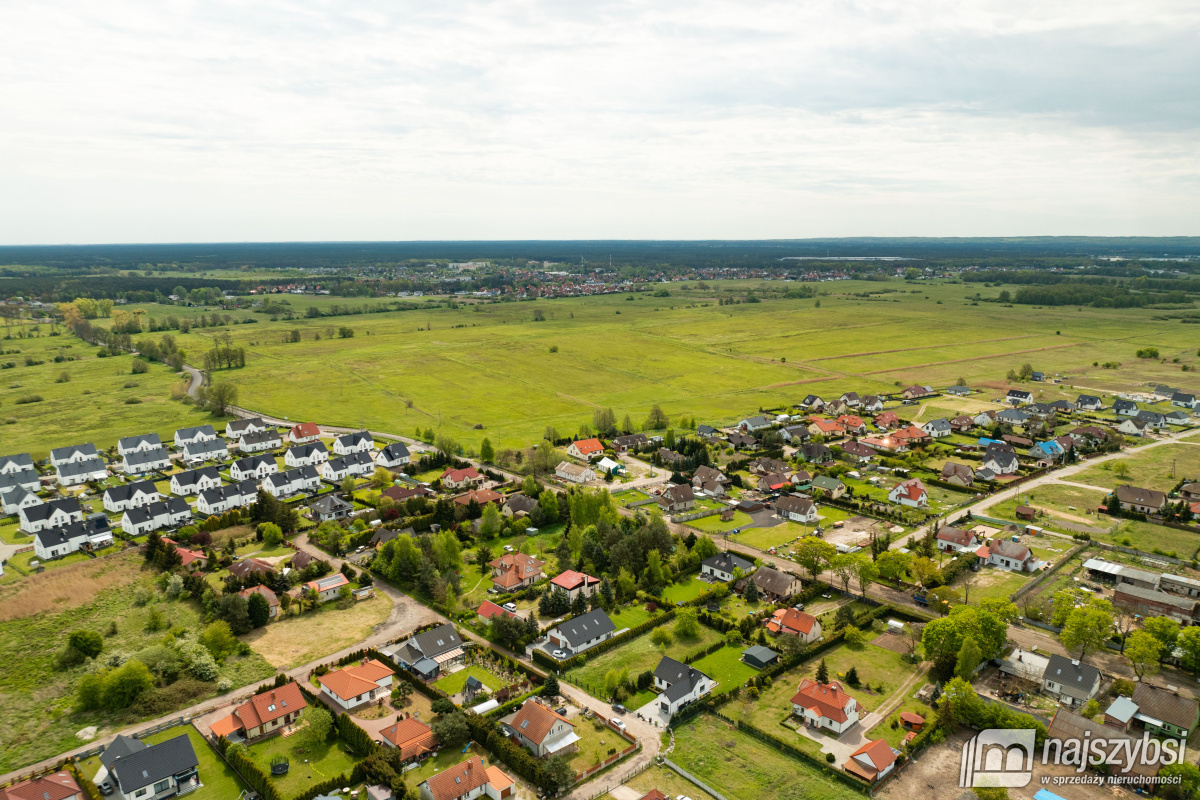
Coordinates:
(692, 778)
(1045, 576)
(704, 512)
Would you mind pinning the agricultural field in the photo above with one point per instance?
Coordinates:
(100, 401)
(684, 352)
(1156, 468)
(36, 616)
(738, 765)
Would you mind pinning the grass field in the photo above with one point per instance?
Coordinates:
(298, 640)
(1157, 468)
(36, 616)
(685, 352)
(309, 765)
(453, 683)
(638, 655)
(737, 765)
(894, 736)
(725, 667)
(688, 590)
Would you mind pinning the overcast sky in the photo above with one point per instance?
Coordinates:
(169, 120)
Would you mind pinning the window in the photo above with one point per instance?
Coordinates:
(162, 786)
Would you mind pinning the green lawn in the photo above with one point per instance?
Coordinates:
(453, 683)
(688, 590)
(595, 740)
(725, 667)
(895, 736)
(667, 781)
(1151, 469)
(218, 781)
(638, 655)
(739, 766)
(309, 765)
(715, 524)
(446, 758)
(631, 616)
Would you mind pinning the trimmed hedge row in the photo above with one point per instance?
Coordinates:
(241, 763)
(333, 785)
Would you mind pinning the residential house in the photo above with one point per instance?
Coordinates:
(1089, 402)
(351, 687)
(676, 498)
(707, 431)
(130, 495)
(26, 479)
(360, 442)
(575, 473)
(852, 424)
(633, 441)
(140, 462)
(773, 585)
(576, 583)
(55, 786)
(92, 533)
(812, 402)
(669, 458)
(832, 488)
(1008, 554)
(253, 468)
(220, 499)
(752, 424)
(938, 428)
(911, 435)
(795, 434)
(885, 444)
(1018, 397)
(1190, 492)
(916, 392)
(53, 514)
(328, 588)
(263, 714)
(200, 433)
(795, 508)
(294, 481)
(1049, 450)
(238, 428)
(1164, 712)
(357, 464)
(540, 730)
(393, 456)
(957, 391)
(710, 480)
(679, 684)
(826, 705)
(1184, 400)
(582, 633)
(910, 493)
(1125, 408)
(851, 399)
(400, 494)
(465, 478)
(73, 473)
(1013, 416)
(586, 449)
(519, 505)
(414, 739)
(134, 444)
(1124, 758)
(871, 404)
(161, 770)
(162, 514)
(14, 499)
(958, 474)
(872, 762)
(827, 428)
(306, 455)
(742, 440)
(1071, 681)
(886, 420)
(205, 450)
(1176, 418)
(857, 452)
(985, 418)
(425, 653)
(11, 465)
(1144, 501)
(957, 540)
(328, 508)
(487, 609)
(792, 622)
(74, 454)
(1152, 419)
(304, 433)
(962, 423)
(244, 567)
(466, 781)
(772, 483)
(513, 571)
(481, 496)
(1001, 462)
(766, 466)
(270, 596)
(260, 441)
(721, 566)
(1133, 427)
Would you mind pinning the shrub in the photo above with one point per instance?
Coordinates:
(132, 401)
(830, 758)
(29, 398)
(140, 367)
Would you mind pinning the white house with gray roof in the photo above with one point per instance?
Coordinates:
(139, 462)
(136, 444)
(200, 433)
(582, 633)
(1071, 681)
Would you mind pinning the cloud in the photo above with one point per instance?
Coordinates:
(371, 120)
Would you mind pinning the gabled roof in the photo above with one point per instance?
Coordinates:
(140, 457)
(589, 446)
(827, 483)
(1166, 705)
(1009, 549)
(572, 580)
(122, 745)
(126, 491)
(877, 755)
(251, 463)
(534, 720)
(953, 470)
(134, 441)
(307, 449)
(681, 679)
(515, 568)
(436, 641)
(247, 565)
(188, 433)
(351, 439)
(349, 460)
(459, 780)
(790, 619)
(87, 450)
(242, 424)
(18, 462)
(411, 737)
(353, 682)
(56, 786)
(457, 475)
(828, 700)
(773, 581)
(956, 536)
(193, 476)
(795, 505)
(265, 591)
(204, 447)
(68, 505)
(305, 429)
(728, 562)
(586, 627)
(1142, 497)
(155, 763)
(1075, 677)
(393, 451)
(488, 609)
(335, 581)
(271, 704)
(911, 488)
(84, 467)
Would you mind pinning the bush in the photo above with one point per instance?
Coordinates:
(29, 398)
(830, 758)
(88, 643)
(139, 367)
(132, 401)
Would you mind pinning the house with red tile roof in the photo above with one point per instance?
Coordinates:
(55, 786)
(852, 424)
(576, 583)
(414, 739)
(488, 609)
(886, 444)
(466, 781)
(910, 493)
(826, 705)
(956, 540)
(304, 432)
(827, 428)
(263, 714)
(540, 730)
(272, 599)
(480, 496)
(872, 762)
(513, 571)
(455, 479)
(586, 449)
(911, 435)
(887, 419)
(795, 623)
(352, 686)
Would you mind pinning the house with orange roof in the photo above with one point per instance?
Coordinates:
(886, 420)
(513, 571)
(414, 739)
(480, 496)
(852, 424)
(910, 493)
(540, 730)
(488, 609)
(55, 786)
(827, 428)
(826, 705)
(329, 587)
(272, 599)
(304, 432)
(911, 435)
(795, 623)
(455, 479)
(263, 714)
(466, 781)
(576, 583)
(872, 762)
(885, 444)
(350, 687)
(586, 449)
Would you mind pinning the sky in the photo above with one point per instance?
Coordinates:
(169, 120)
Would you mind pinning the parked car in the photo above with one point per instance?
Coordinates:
(560, 654)
(620, 709)
(510, 607)
(618, 723)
